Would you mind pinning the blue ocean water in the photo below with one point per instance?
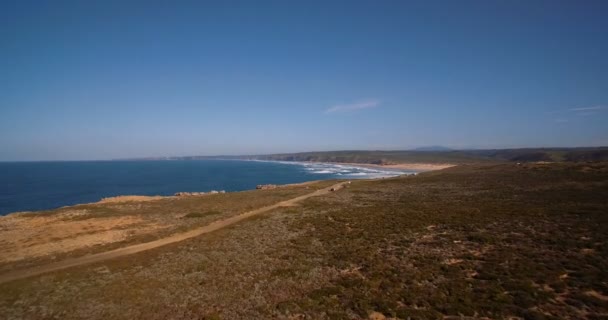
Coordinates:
(29, 186)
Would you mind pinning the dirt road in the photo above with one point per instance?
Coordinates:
(73, 262)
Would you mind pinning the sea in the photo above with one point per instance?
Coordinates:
(32, 186)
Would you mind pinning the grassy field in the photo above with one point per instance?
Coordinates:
(525, 241)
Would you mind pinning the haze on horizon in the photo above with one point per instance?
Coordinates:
(124, 79)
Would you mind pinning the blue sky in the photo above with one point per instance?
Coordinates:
(115, 79)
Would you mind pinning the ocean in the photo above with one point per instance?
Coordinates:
(31, 186)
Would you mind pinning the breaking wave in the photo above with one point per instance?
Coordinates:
(344, 171)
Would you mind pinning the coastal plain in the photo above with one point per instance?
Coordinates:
(494, 241)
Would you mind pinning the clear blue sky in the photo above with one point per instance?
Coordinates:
(115, 79)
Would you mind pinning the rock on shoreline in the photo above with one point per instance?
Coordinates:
(266, 186)
(187, 194)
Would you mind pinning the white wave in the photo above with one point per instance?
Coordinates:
(358, 174)
(346, 170)
(323, 171)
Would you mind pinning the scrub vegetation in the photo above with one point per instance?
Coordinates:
(35, 238)
(526, 241)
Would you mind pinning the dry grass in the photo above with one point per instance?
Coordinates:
(498, 241)
(30, 239)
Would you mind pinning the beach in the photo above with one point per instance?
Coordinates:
(398, 166)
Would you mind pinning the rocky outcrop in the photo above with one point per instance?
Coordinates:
(266, 186)
(187, 194)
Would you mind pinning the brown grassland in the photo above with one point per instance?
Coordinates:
(492, 241)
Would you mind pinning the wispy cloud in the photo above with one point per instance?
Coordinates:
(566, 114)
(594, 108)
(353, 106)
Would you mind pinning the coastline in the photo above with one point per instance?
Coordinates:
(421, 167)
(415, 167)
(120, 199)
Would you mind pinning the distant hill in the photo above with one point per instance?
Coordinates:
(377, 157)
(546, 154)
(433, 148)
(429, 156)
(447, 156)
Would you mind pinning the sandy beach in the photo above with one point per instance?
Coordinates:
(401, 166)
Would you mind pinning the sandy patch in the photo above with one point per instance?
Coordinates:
(401, 166)
(23, 237)
(452, 261)
(419, 166)
(216, 225)
(597, 295)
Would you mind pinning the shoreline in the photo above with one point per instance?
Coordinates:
(414, 166)
(421, 167)
(143, 198)
(212, 226)
(417, 167)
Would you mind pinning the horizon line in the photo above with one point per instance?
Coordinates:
(169, 158)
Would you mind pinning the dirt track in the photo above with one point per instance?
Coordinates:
(68, 263)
